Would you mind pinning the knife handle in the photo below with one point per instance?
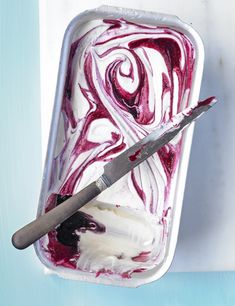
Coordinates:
(31, 232)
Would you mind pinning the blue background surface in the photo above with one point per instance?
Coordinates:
(22, 281)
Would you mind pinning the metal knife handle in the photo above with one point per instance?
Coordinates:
(45, 223)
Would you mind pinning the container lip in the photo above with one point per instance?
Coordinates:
(144, 17)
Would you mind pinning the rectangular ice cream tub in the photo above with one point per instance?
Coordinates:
(122, 73)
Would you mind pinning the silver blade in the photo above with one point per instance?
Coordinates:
(146, 147)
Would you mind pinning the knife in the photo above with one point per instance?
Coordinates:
(113, 171)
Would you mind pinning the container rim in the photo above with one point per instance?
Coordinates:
(144, 17)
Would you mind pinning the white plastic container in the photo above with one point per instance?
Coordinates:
(149, 18)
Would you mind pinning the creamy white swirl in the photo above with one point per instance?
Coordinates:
(123, 81)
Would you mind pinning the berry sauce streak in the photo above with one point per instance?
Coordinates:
(123, 81)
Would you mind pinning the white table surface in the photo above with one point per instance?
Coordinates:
(206, 238)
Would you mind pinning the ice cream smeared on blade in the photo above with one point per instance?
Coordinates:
(123, 81)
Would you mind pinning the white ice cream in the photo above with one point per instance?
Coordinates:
(123, 81)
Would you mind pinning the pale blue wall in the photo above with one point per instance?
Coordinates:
(22, 282)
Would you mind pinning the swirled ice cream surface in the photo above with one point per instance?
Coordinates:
(123, 81)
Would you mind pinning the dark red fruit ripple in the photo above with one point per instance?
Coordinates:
(112, 83)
